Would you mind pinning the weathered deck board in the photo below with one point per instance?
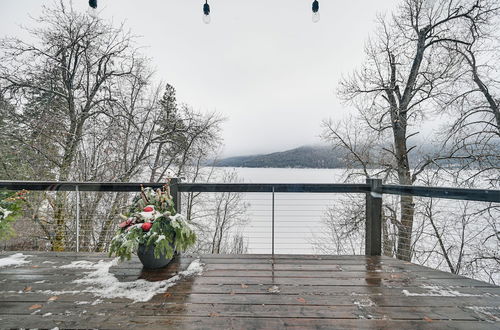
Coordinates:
(322, 292)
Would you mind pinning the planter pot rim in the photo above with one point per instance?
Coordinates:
(148, 259)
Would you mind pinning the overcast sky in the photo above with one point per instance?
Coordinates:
(262, 64)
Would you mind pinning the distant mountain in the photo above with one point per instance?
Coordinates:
(302, 157)
(320, 157)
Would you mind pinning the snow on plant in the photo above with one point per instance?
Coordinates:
(152, 220)
(4, 213)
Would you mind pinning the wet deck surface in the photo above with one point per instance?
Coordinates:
(249, 292)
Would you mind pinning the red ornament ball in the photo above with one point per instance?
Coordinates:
(146, 226)
(148, 209)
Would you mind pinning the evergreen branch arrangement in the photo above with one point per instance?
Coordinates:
(152, 220)
(10, 205)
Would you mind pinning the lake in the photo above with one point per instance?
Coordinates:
(289, 175)
(299, 217)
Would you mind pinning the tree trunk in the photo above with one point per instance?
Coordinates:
(399, 118)
(406, 202)
(405, 230)
(156, 163)
(103, 235)
(387, 241)
(71, 144)
(59, 241)
(88, 221)
(492, 103)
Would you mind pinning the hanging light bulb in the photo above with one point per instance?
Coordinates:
(315, 9)
(93, 3)
(206, 13)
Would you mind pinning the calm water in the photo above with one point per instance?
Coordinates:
(299, 217)
(290, 175)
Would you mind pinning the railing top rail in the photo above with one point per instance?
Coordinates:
(82, 186)
(436, 192)
(483, 195)
(276, 187)
(186, 187)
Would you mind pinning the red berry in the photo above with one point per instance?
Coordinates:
(148, 209)
(146, 226)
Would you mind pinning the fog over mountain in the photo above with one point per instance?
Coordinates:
(310, 156)
(301, 157)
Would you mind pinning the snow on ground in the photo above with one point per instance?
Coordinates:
(367, 302)
(57, 293)
(82, 302)
(437, 291)
(103, 284)
(490, 312)
(14, 260)
(81, 264)
(274, 289)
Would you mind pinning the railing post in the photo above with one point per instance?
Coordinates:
(176, 195)
(272, 216)
(373, 233)
(77, 192)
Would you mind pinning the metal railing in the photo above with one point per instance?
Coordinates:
(373, 189)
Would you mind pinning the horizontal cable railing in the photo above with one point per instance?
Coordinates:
(438, 192)
(452, 229)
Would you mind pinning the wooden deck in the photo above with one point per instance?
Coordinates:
(250, 292)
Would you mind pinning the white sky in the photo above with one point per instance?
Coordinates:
(262, 64)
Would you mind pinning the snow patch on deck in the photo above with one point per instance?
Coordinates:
(367, 302)
(15, 260)
(103, 284)
(437, 291)
(492, 313)
(80, 264)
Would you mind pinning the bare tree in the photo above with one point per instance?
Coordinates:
(474, 101)
(405, 70)
(343, 229)
(81, 101)
(219, 218)
(67, 75)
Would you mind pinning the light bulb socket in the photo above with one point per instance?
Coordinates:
(206, 9)
(315, 6)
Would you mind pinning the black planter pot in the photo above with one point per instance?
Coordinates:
(147, 256)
